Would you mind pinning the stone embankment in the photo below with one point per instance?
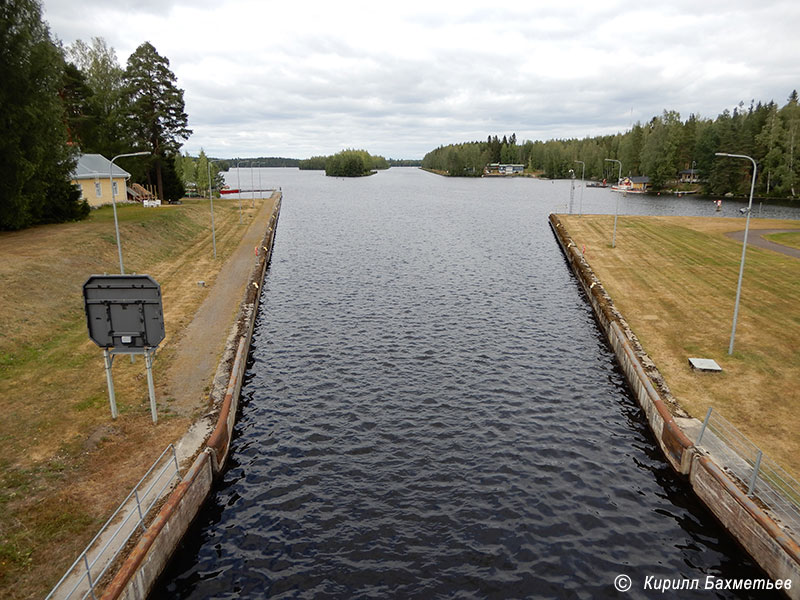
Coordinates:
(773, 547)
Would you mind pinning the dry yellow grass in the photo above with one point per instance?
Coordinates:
(66, 464)
(674, 279)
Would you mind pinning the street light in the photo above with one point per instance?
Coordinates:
(583, 185)
(114, 202)
(744, 243)
(571, 189)
(239, 185)
(211, 198)
(616, 205)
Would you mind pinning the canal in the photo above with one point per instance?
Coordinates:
(431, 411)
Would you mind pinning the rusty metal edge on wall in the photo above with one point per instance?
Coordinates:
(145, 563)
(776, 552)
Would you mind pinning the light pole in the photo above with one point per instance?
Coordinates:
(211, 198)
(583, 184)
(744, 243)
(616, 205)
(239, 185)
(114, 202)
(571, 189)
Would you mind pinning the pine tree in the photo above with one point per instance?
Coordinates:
(155, 106)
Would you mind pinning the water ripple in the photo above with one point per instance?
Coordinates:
(431, 412)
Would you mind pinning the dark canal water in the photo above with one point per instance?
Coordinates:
(430, 411)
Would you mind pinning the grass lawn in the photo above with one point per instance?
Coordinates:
(791, 239)
(66, 463)
(674, 279)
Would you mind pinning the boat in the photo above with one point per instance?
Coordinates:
(597, 184)
(228, 191)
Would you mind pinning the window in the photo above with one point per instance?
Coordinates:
(115, 189)
(97, 190)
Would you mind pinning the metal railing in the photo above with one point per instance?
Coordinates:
(82, 578)
(764, 479)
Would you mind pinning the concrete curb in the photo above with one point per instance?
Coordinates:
(143, 566)
(769, 545)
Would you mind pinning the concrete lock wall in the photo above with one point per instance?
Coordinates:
(144, 564)
(769, 545)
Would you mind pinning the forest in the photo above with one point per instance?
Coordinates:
(659, 149)
(58, 102)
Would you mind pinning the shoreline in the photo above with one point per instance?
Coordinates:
(223, 327)
(770, 545)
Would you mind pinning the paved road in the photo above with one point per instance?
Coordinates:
(756, 238)
(199, 351)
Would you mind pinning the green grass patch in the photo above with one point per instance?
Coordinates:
(674, 279)
(791, 239)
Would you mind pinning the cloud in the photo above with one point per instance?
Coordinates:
(268, 78)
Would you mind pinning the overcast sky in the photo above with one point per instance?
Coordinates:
(296, 79)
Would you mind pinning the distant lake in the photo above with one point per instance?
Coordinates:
(431, 411)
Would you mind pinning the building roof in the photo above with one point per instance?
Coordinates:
(92, 166)
(642, 179)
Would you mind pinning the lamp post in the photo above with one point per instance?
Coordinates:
(114, 202)
(744, 243)
(211, 198)
(583, 184)
(571, 189)
(239, 185)
(616, 205)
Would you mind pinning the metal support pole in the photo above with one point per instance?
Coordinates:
(616, 204)
(571, 190)
(583, 185)
(754, 478)
(211, 199)
(139, 508)
(239, 185)
(175, 458)
(703, 428)
(89, 575)
(114, 202)
(109, 362)
(744, 244)
(148, 357)
(252, 187)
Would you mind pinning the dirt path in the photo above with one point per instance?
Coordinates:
(199, 350)
(760, 241)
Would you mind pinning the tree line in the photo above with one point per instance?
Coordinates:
(347, 163)
(659, 149)
(247, 163)
(57, 102)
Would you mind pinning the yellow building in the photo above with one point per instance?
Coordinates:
(92, 175)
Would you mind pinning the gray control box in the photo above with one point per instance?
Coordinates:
(124, 311)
